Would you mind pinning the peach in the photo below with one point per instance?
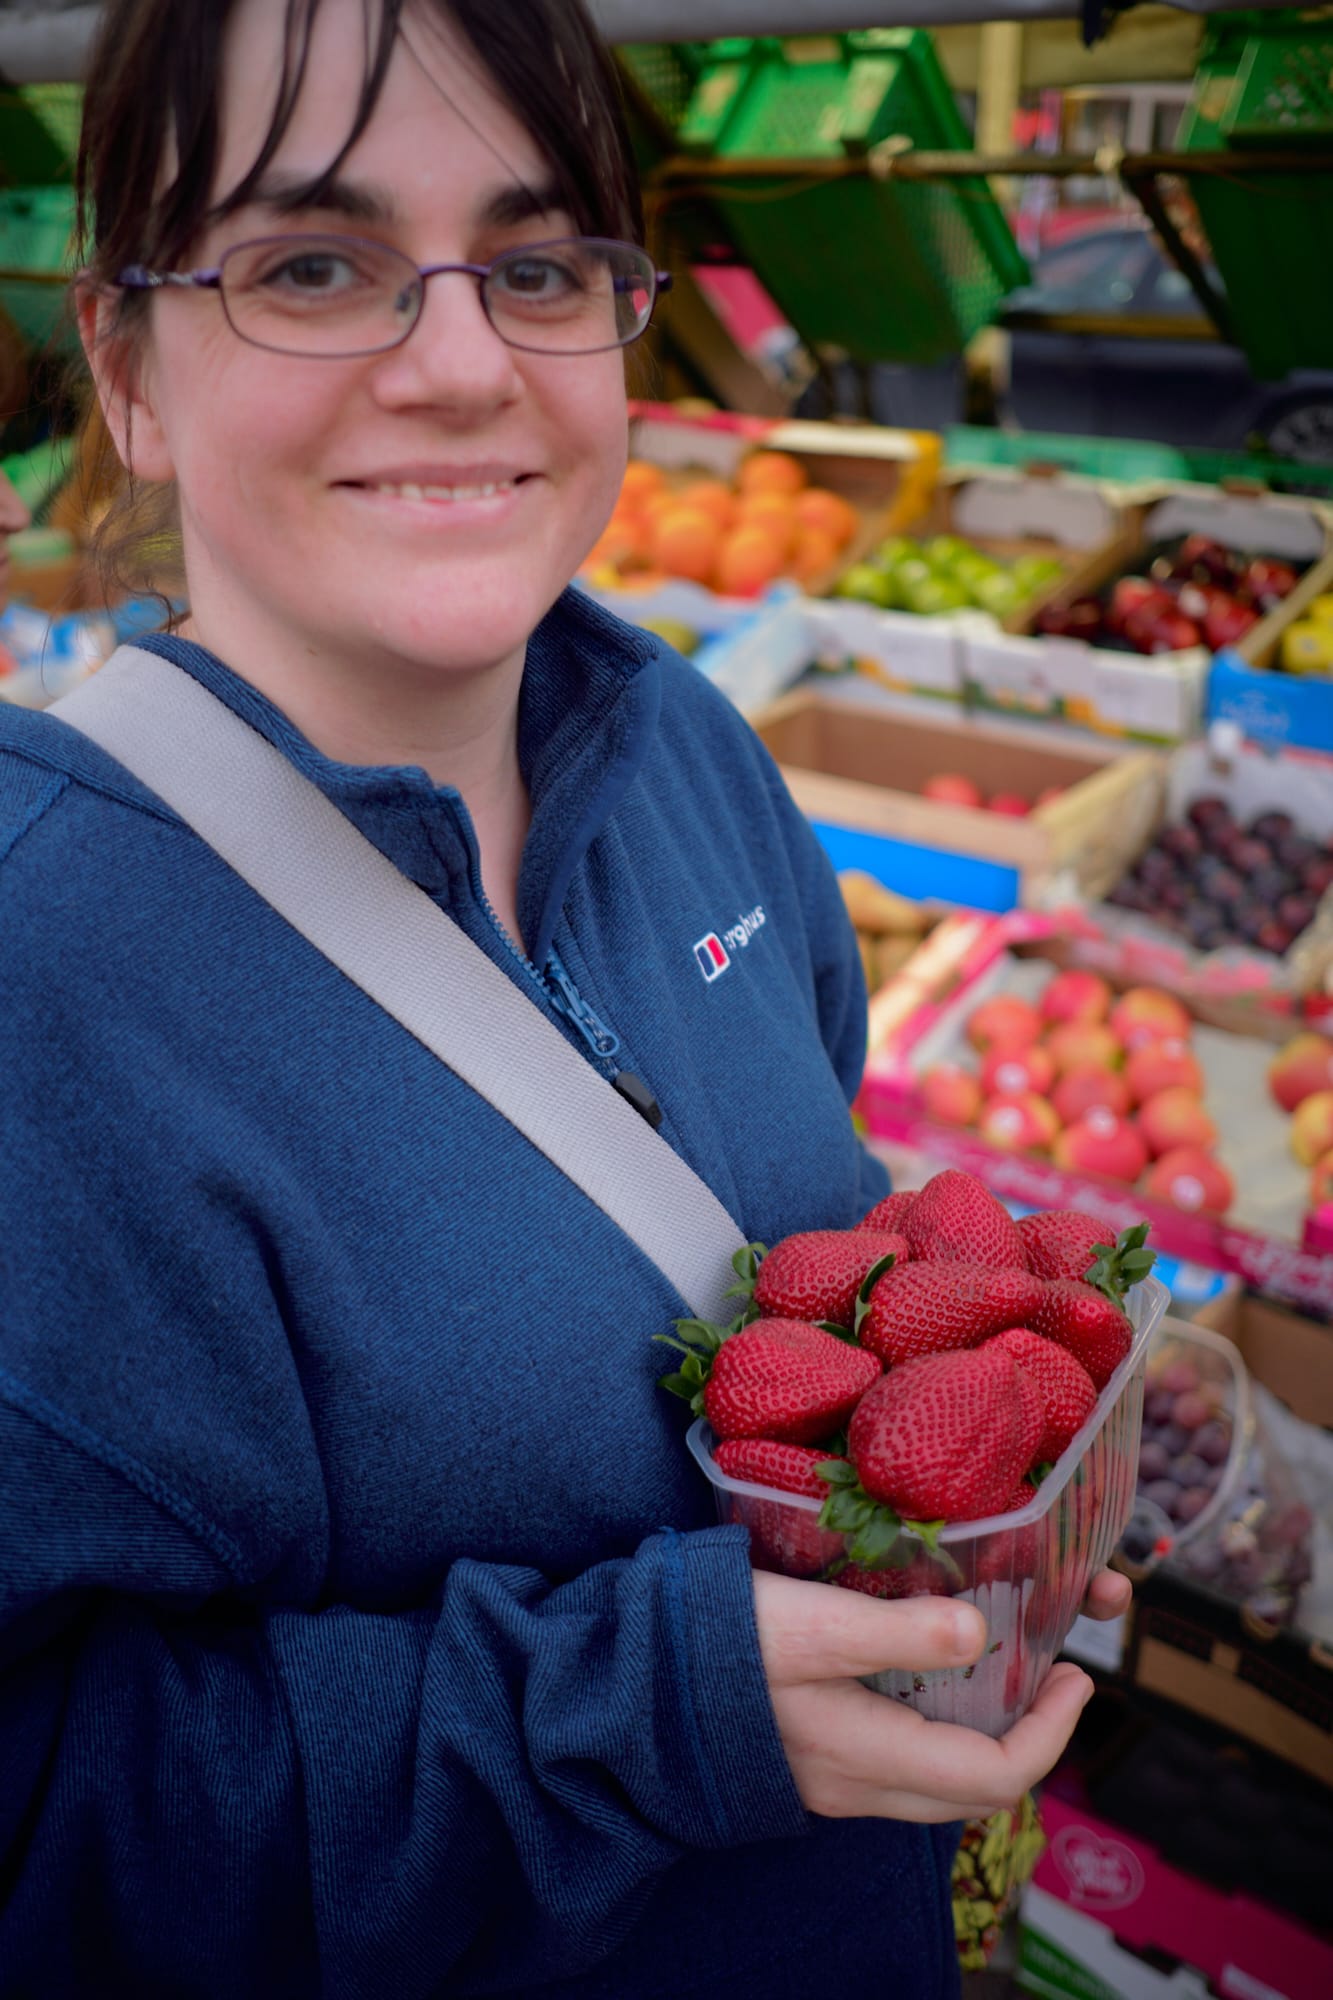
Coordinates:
(1007, 1069)
(1088, 1087)
(1173, 1118)
(1102, 1143)
(1076, 996)
(1147, 1014)
(1191, 1180)
(1300, 1069)
(1311, 1131)
(949, 788)
(1004, 1021)
(1084, 1045)
(951, 1094)
(1018, 1122)
(1321, 1181)
(1158, 1066)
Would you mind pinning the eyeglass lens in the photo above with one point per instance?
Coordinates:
(340, 295)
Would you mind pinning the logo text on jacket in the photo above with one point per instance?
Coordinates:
(713, 952)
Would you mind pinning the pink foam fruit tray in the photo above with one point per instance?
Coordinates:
(1027, 1572)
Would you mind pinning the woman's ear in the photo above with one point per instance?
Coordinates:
(116, 362)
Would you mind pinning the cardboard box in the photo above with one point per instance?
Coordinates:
(857, 772)
(1272, 709)
(1105, 1918)
(1159, 699)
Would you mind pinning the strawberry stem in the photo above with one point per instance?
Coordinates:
(1116, 1267)
(867, 1286)
(746, 1264)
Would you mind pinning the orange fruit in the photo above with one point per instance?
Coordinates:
(640, 481)
(631, 530)
(714, 497)
(770, 472)
(614, 546)
(748, 559)
(653, 508)
(774, 513)
(684, 543)
(829, 512)
(816, 550)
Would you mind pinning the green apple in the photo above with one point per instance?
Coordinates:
(1000, 594)
(1034, 573)
(868, 584)
(930, 596)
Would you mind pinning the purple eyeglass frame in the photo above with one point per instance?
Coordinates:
(138, 278)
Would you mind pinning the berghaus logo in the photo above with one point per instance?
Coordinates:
(713, 952)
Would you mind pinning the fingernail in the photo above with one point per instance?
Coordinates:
(966, 1635)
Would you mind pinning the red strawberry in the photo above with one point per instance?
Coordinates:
(766, 1462)
(817, 1275)
(1063, 1243)
(920, 1578)
(946, 1437)
(889, 1213)
(955, 1220)
(1007, 1555)
(927, 1308)
(785, 1379)
(1094, 1330)
(1066, 1386)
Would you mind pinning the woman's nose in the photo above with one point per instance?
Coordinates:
(453, 354)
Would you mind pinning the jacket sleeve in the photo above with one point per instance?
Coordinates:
(196, 1788)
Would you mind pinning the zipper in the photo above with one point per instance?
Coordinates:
(558, 989)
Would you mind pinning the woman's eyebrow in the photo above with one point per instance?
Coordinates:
(288, 193)
(517, 203)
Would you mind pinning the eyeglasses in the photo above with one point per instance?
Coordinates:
(340, 296)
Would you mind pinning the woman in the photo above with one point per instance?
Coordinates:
(344, 1649)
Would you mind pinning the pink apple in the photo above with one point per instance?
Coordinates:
(1084, 1045)
(1007, 1069)
(1076, 996)
(1009, 804)
(1018, 1122)
(951, 1094)
(1101, 1143)
(1302, 1067)
(949, 788)
(1089, 1087)
(1175, 1118)
(1158, 1066)
(1191, 1180)
(1004, 1021)
(1147, 1014)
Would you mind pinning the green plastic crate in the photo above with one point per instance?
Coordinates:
(1267, 81)
(36, 237)
(1130, 460)
(39, 132)
(878, 270)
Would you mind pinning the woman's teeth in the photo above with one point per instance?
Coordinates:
(406, 491)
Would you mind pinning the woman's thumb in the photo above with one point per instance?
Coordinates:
(809, 1632)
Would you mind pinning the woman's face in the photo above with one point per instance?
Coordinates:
(292, 472)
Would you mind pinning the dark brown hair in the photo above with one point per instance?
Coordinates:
(153, 94)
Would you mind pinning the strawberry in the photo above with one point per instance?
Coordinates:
(1067, 1388)
(767, 1462)
(889, 1213)
(919, 1578)
(955, 1220)
(787, 1380)
(1066, 1244)
(926, 1308)
(1007, 1555)
(1095, 1330)
(946, 1437)
(816, 1275)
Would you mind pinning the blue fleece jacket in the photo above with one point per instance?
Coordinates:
(364, 1627)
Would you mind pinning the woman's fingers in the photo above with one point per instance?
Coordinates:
(808, 1632)
(1109, 1595)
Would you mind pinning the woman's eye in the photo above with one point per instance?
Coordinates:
(313, 271)
(539, 278)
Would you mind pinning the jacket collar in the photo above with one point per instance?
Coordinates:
(588, 709)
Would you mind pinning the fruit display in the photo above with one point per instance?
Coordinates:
(1300, 1081)
(733, 537)
(1101, 1083)
(1215, 880)
(888, 1394)
(947, 573)
(1192, 592)
(951, 788)
(1307, 643)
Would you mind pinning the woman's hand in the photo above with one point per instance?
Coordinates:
(855, 1754)
(1109, 1594)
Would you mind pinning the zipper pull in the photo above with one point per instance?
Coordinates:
(569, 1002)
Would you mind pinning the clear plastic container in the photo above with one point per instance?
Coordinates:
(1027, 1572)
(1154, 1533)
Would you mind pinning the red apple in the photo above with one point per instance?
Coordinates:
(1192, 1181)
(1226, 622)
(1008, 1070)
(1147, 1014)
(949, 788)
(1200, 559)
(1010, 804)
(1158, 1066)
(1299, 1069)
(1047, 795)
(1101, 1143)
(1135, 593)
(1085, 1045)
(1089, 1087)
(1081, 618)
(1176, 1118)
(1018, 1122)
(1152, 630)
(1076, 996)
(1268, 581)
(951, 1094)
(1311, 1129)
(1004, 1021)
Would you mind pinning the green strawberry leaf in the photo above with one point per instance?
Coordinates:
(837, 1472)
(867, 1286)
(836, 1445)
(842, 1333)
(746, 1264)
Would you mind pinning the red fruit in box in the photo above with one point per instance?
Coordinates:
(1084, 1045)
(1268, 581)
(1076, 996)
(1063, 1243)
(1200, 559)
(1132, 594)
(947, 1437)
(1096, 1332)
(919, 1578)
(1067, 1388)
(1153, 630)
(1101, 1143)
(1009, 805)
(950, 789)
(1166, 1065)
(1081, 618)
(1176, 1118)
(1147, 1014)
(955, 1219)
(889, 1213)
(1089, 1088)
(1301, 1068)
(1010, 1070)
(1004, 1021)
(816, 1275)
(785, 1379)
(767, 1462)
(781, 1538)
(1007, 1557)
(1226, 621)
(929, 1308)
(951, 1094)
(1192, 1181)
(1018, 1122)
